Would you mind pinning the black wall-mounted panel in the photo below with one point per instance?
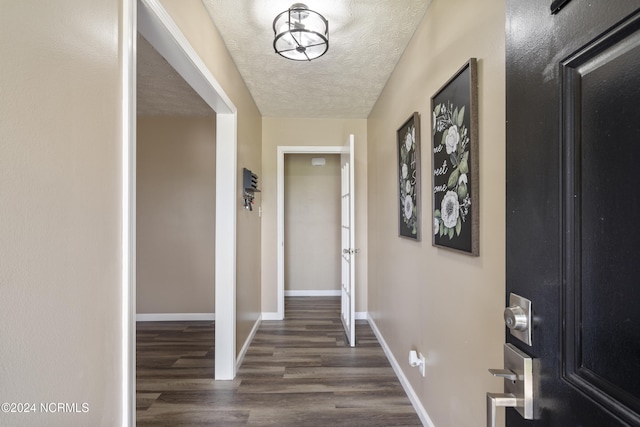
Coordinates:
(249, 180)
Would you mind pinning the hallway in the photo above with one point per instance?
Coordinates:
(297, 372)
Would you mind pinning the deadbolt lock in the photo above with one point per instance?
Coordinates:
(515, 318)
(518, 318)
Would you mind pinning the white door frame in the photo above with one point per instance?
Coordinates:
(282, 150)
(128, 213)
(155, 24)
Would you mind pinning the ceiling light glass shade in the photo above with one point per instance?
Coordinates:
(300, 34)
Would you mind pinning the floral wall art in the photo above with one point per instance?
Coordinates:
(409, 177)
(455, 162)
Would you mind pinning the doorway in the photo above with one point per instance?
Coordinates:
(175, 195)
(312, 225)
(347, 229)
(282, 151)
(153, 22)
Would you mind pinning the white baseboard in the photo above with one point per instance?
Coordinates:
(332, 293)
(271, 315)
(174, 317)
(362, 315)
(247, 342)
(413, 397)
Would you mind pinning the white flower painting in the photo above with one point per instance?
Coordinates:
(450, 209)
(452, 139)
(409, 177)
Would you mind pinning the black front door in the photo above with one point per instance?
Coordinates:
(573, 204)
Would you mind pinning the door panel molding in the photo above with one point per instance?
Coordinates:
(588, 76)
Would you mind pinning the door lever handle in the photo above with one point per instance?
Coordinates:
(518, 385)
(504, 373)
(495, 400)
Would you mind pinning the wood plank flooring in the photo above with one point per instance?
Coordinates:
(297, 372)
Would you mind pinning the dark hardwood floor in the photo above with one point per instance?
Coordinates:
(297, 372)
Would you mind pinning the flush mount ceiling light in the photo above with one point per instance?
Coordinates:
(300, 34)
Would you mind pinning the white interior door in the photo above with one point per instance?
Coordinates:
(347, 312)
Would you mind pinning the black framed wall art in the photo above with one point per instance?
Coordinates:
(454, 115)
(408, 136)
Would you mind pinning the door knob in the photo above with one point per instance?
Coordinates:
(516, 318)
(495, 400)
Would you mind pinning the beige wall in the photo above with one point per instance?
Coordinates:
(176, 214)
(194, 22)
(444, 304)
(310, 132)
(60, 201)
(312, 223)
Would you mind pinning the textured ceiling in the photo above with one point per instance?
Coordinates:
(161, 90)
(366, 40)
